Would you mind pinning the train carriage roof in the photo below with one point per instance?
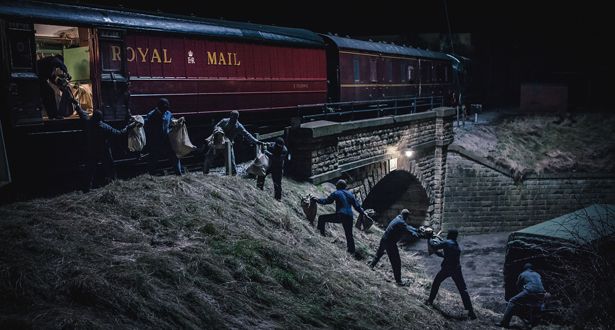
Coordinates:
(113, 18)
(580, 227)
(383, 48)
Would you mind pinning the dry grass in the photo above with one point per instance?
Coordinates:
(201, 252)
(534, 144)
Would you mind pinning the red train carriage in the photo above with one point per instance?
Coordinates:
(124, 60)
(363, 70)
(202, 75)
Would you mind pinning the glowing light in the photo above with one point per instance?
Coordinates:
(409, 153)
(392, 164)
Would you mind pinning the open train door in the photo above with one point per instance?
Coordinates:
(20, 103)
(23, 99)
(110, 62)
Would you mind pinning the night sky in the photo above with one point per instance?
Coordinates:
(511, 41)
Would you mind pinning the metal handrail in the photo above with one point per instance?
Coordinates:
(396, 106)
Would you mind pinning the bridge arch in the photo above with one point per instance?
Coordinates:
(396, 191)
(410, 148)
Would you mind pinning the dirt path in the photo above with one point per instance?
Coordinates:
(482, 264)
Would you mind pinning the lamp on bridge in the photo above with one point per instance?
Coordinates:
(409, 153)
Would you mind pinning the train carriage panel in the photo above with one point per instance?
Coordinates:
(240, 76)
(372, 70)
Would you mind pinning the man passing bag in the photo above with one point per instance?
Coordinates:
(178, 136)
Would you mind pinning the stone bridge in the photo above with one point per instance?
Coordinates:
(390, 163)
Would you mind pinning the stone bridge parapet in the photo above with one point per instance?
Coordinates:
(365, 151)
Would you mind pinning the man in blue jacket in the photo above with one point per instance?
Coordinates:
(532, 294)
(451, 267)
(397, 230)
(157, 127)
(99, 134)
(232, 129)
(344, 202)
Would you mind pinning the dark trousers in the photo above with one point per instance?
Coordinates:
(106, 158)
(276, 177)
(457, 276)
(393, 253)
(531, 301)
(345, 220)
(158, 152)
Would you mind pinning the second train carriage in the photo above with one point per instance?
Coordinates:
(363, 70)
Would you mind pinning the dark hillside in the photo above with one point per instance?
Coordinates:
(200, 252)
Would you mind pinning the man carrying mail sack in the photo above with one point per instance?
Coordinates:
(232, 129)
(271, 161)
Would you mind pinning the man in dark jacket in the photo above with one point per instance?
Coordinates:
(397, 230)
(99, 134)
(232, 129)
(277, 156)
(532, 294)
(51, 70)
(344, 202)
(451, 266)
(157, 127)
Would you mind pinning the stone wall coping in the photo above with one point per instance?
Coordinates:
(364, 162)
(571, 175)
(324, 128)
(324, 177)
(320, 128)
(544, 176)
(445, 112)
(478, 159)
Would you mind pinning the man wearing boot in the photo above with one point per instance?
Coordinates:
(344, 202)
(532, 294)
(397, 230)
(451, 267)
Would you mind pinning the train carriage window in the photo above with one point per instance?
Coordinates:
(410, 73)
(389, 72)
(373, 70)
(20, 42)
(356, 68)
(73, 45)
(110, 55)
(403, 72)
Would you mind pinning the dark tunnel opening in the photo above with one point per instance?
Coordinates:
(396, 191)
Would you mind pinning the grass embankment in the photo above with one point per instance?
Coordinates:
(200, 252)
(535, 144)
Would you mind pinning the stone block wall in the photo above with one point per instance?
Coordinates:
(361, 150)
(479, 197)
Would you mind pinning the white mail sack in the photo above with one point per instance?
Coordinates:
(180, 142)
(136, 135)
(259, 165)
